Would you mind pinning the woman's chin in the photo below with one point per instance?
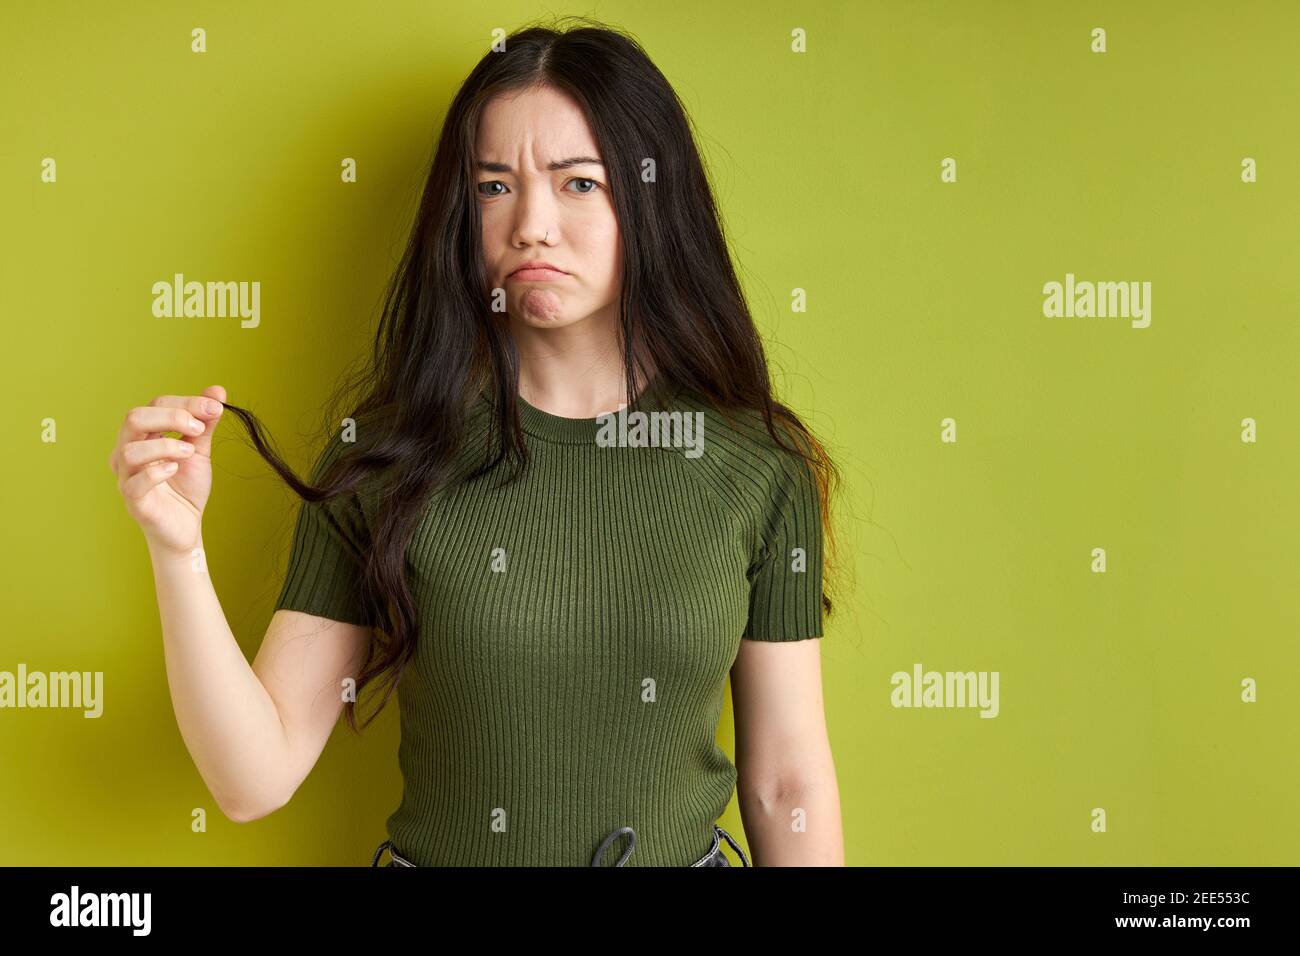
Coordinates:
(542, 308)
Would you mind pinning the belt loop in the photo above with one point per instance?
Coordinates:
(713, 851)
(744, 860)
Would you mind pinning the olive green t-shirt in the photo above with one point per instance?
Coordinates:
(576, 630)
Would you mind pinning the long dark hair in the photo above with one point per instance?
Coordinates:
(438, 340)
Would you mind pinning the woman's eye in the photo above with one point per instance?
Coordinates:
(484, 187)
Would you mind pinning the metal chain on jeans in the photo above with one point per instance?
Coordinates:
(610, 837)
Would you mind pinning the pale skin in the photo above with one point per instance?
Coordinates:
(255, 732)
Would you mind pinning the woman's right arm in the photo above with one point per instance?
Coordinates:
(254, 732)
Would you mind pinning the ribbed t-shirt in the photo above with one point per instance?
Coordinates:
(576, 629)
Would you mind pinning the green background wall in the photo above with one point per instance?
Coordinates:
(1119, 690)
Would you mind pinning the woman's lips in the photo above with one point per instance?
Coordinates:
(538, 275)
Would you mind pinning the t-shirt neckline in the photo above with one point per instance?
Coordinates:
(577, 431)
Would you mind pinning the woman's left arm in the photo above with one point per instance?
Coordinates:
(786, 787)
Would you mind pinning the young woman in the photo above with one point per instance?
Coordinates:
(558, 593)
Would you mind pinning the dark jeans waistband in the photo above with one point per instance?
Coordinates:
(713, 857)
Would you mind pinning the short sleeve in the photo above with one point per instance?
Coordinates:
(785, 597)
(330, 543)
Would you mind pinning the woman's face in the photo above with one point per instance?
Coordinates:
(532, 210)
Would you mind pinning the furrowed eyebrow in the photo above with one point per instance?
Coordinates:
(487, 167)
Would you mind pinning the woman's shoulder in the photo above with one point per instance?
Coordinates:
(740, 433)
(739, 452)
